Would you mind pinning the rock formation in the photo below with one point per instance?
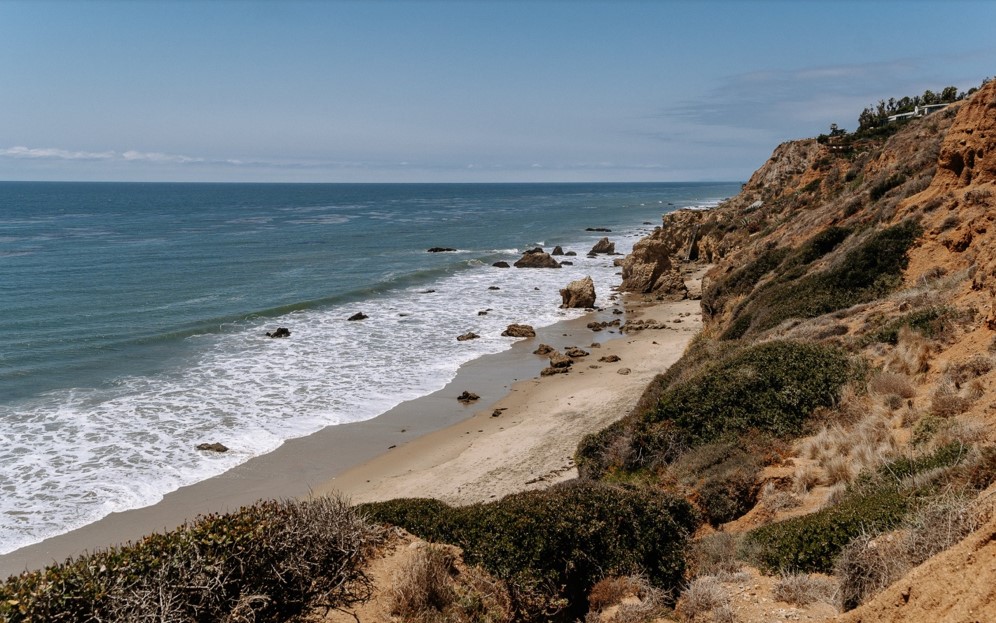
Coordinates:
(557, 250)
(467, 336)
(649, 269)
(281, 332)
(212, 447)
(603, 246)
(440, 250)
(358, 316)
(519, 330)
(501, 264)
(536, 258)
(578, 294)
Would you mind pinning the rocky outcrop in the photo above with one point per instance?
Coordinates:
(578, 294)
(603, 246)
(536, 258)
(468, 397)
(650, 269)
(467, 336)
(519, 330)
(358, 316)
(281, 332)
(440, 250)
(544, 349)
(212, 447)
(501, 264)
(557, 250)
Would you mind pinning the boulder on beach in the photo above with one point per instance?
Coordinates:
(550, 371)
(536, 258)
(574, 352)
(609, 359)
(358, 316)
(557, 250)
(649, 269)
(212, 447)
(578, 294)
(440, 250)
(280, 332)
(544, 349)
(468, 397)
(467, 336)
(559, 360)
(519, 330)
(501, 264)
(603, 246)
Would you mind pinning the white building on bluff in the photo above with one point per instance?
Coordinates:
(919, 111)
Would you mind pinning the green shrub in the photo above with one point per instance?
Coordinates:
(560, 541)
(771, 388)
(929, 322)
(722, 479)
(878, 190)
(906, 466)
(268, 562)
(867, 272)
(811, 543)
(741, 281)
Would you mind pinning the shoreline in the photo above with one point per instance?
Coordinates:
(414, 448)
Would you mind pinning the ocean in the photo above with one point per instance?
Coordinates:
(135, 316)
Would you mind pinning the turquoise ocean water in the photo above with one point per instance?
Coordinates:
(134, 317)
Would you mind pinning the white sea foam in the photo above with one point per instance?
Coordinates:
(72, 457)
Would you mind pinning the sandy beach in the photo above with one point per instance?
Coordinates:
(521, 434)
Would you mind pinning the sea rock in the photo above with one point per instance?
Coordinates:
(468, 397)
(501, 264)
(605, 229)
(559, 360)
(551, 371)
(567, 263)
(280, 332)
(212, 447)
(483, 312)
(493, 288)
(571, 253)
(519, 330)
(440, 250)
(649, 269)
(536, 258)
(467, 336)
(609, 359)
(544, 349)
(603, 246)
(557, 250)
(578, 294)
(574, 352)
(358, 316)
(598, 326)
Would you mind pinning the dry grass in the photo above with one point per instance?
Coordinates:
(430, 589)
(911, 356)
(892, 384)
(630, 599)
(802, 589)
(838, 470)
(716, 555)
(706, 600)
(805, 478)
(965, 371)
(775, 499)
(872, 562)
(948, 402)
(843, 452)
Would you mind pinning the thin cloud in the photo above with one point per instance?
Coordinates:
(54, 153)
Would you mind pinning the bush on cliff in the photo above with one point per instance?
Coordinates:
(769, 388)
(552, 546)
(865, 273)
(268, 562)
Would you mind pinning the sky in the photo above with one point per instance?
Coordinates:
(457, 91)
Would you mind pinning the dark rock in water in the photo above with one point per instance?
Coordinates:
(609, 358)
(501, 264)
(519, 330)
(467, 336)
(575, 352)
(647, 223)
(483, 312)
(544, 349)
(605, 229)
(598, 326)
(603, 246)
(427, 291)
(534, 259)
(578, 294)
(571, 253)
(212, 447)
(493, 288)
(557, 250)
(440, 250)
(618, 311)
(280, 332)
(567, 263)
(534, 251)
(468, 397)
(358, 316)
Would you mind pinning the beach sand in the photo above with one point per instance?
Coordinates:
(436, 446)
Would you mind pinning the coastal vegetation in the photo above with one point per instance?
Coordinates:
(829, 430)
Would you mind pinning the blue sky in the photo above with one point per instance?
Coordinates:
(456, 91)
